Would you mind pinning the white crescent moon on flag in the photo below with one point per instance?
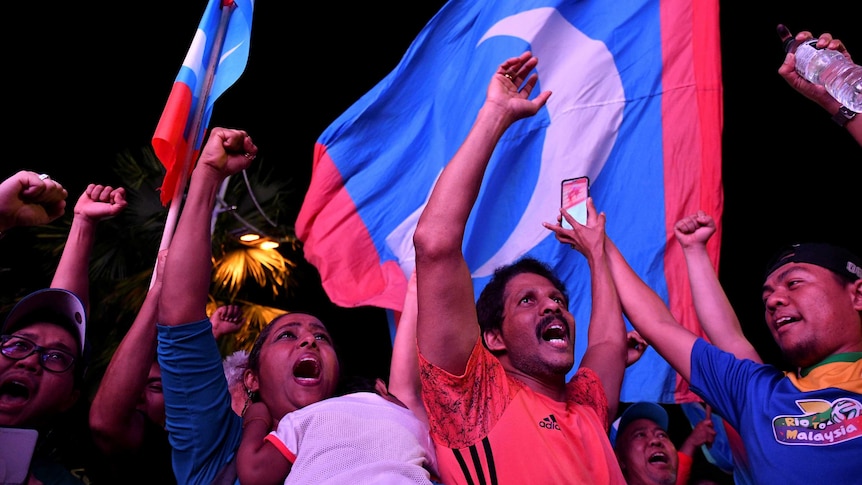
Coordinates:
(585, 110)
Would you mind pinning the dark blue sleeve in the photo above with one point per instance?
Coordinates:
(203, 429)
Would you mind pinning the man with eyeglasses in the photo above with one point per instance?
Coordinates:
(44, 357)
(44, 353)
(54, 360)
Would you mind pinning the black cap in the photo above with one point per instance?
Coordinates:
(834, 258)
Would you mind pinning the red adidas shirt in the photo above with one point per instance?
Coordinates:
(490, 428)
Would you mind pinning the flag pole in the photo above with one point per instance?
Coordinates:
(212, 64)
(176, 202)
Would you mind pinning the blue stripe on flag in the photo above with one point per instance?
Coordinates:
(604, 63)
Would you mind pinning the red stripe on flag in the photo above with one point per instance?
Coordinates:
(691, 57)
(365, 281)
(169, 142)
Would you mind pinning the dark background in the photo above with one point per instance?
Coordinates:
(84, 81)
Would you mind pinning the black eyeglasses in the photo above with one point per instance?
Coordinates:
(54, 360)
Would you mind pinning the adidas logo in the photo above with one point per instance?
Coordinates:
(549, 423)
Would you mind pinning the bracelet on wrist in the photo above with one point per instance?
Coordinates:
(257, 418)
(843, 116)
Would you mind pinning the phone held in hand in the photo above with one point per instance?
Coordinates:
(16, 451)
(573, 198)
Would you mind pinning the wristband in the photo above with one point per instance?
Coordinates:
(843, 116)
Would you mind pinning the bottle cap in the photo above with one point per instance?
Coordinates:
(787, 39)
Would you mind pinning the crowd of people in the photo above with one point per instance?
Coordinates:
(477, 390)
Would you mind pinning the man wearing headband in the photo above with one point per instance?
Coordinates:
(793, 424)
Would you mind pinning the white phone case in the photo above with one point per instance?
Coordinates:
(16, 451)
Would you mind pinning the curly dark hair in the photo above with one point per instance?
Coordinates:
(489, 307)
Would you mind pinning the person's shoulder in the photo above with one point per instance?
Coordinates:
(357, 396)
(585, 388)
(584, 377)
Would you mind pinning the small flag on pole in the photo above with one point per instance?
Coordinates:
(216, 59)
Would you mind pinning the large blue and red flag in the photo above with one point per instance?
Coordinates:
(636, 106)
(216, 59)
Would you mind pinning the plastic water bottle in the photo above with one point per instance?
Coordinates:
(829, 68)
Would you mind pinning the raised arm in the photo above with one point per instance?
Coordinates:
(188, 267)
(816, 92)
(606, 352)
(649, 315)
(98, 202)
(447, 325)
(258, 461)
(198, 408)
(30, 199)
(703, 433)
(714, 311)
(227, 320)
(115, 423)
(404, 369)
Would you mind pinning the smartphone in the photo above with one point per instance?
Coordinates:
(16, 451)
(573, 198)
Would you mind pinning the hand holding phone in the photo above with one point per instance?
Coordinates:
(573, 198)
(16, 451)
